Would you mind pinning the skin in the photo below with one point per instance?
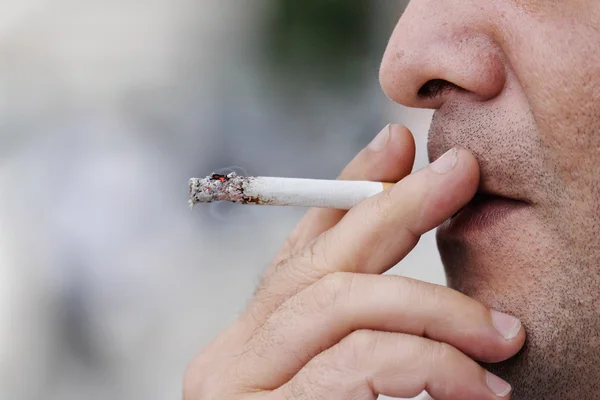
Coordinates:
(529, 112)
(324, 322)
(522, 122)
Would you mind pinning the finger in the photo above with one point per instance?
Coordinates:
(368, 363)
(388, 158)
(377, 233)
(324, 313)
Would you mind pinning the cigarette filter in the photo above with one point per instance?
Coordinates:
(273, 191)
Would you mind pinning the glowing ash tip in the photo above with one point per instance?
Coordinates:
(216, 187)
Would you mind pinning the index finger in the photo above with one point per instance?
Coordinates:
(388, 158)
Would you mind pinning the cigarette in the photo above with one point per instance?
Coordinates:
(272, 191)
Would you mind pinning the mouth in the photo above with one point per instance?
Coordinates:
(484, 211)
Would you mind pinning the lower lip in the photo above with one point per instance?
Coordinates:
(481, 214)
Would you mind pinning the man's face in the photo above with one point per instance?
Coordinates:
(517, 82)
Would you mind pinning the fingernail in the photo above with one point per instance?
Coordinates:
(446, 162)
(507, 325)
(500, 387)
(381, 140)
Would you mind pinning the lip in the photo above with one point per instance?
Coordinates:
(483, 212)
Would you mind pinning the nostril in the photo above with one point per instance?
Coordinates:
(436, 87)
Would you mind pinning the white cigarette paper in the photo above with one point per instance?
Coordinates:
(272, 191)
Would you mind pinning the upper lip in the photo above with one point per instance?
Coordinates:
(483, 195)
(507, 171)
(486, 189)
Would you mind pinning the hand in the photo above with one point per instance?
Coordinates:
(324, 324)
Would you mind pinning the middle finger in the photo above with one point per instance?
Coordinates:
(329, 310)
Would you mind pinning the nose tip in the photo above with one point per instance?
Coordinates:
(427, 61)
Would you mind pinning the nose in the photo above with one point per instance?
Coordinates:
(440, 49)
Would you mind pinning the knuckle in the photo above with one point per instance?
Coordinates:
(314, 253)
(440, 353)
(358, 345)
(282, 264)
(290, 268)
(291, 242)
(327, 375)
(329, 291)
(295, 306)
(320, 298)
(268, 334)
(270, 277)
(266, 337)
(322, 253)
(285, 273)
(321, 378)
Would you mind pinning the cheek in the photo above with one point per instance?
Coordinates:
(550, 8)
(559, 70)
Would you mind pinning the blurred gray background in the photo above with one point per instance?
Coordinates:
(109, 283)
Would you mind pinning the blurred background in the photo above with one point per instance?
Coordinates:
(109, 283)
